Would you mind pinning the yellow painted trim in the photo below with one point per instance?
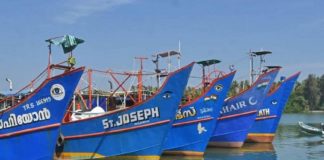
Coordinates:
(134, 158)
(261, 134)
(72, 155)
(76, 155)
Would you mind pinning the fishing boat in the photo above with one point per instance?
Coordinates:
(310, 129)
(239, 112)
(30, 119)
(195, 120)
(134, 132)
(269, 114)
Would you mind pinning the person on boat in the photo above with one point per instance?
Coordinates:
(71, 61)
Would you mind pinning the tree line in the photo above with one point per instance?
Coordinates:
(307, 95)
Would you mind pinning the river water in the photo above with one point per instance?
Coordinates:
(290, 144)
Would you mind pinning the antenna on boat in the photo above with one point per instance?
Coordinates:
(205, 64)
(260, 54)
(140, 79)
(110, 85)
(168, 55)
(157, 70)
(252, 72)
(10, 83)
(179, 55)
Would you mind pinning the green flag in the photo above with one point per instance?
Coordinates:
(68, 43)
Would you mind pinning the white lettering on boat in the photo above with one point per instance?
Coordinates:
(43, 101)
(264, 112)
(206, 110)
(239, 105)
(38, 102)
(136, 117)
(27, 118)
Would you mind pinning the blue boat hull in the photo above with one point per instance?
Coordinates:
(30, 130)
(136, 132)
(234, 131)
(129, 143)
(238, 113)
(195, 121)
(28, 149)
(268, 117)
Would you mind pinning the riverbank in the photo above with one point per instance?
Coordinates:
(317, 111)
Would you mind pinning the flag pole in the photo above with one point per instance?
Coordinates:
(49, 61)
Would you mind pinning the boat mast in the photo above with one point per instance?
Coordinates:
(157, 70)
(49, 60)
(168, 55)
(204, 64)
(140, 79)
(179, 55)
(251, 55)
(261, 54)
(90, 87)
(50, 41)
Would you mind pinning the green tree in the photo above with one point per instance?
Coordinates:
(312, 92)
(191, 93)
(246, 84)
(296, 102)
(234, 89)
(321, 88)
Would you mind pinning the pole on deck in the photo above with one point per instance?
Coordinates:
(90, 87)
(49, 60)
(140, 79)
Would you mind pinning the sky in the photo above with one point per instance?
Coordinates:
(116, 31)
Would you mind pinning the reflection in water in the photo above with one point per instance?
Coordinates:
(248, 151)
(290, 143)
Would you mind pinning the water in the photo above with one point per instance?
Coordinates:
(290, 143)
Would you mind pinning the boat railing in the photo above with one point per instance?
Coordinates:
(195, 91)
(17, 97)
(122, 90)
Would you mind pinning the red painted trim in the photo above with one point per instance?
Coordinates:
(211, 86)
(137, 104)
(237, 115)
(115, 131)
(6, 135)
(193, 121)
(254, 84)
(287, 79)
(120, 85)
(264, 118)
(40, 87)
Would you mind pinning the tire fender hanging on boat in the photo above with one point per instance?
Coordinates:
(60, 140)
